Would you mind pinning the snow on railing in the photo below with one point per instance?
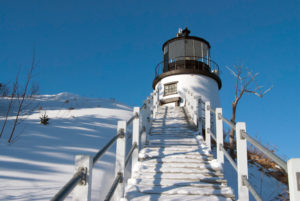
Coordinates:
(81, 181)
(202, 118)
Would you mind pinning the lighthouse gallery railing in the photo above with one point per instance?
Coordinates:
(203, 119)
(187, 62)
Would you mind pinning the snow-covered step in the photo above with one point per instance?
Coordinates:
(170, 143)
(174, 182)
(208, 165)
(170, 136)
(137, 196)
(172, 129)
(174, 148)
(174, 141)
(168, 133)
(155, 151)
(167, 169)
(169, 157)
(181, 190)
(178, 175)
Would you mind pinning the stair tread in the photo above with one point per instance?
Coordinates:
(177, 175)
(183, 190)
(171, 182)
(134, 196)
(208, 165)
(189, 169)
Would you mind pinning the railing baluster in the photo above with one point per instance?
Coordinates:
(207, 125)
(199, 111)
(242, 161)
(120, 158)
(135, 138)
(219, 133)
(147, 120)
(195, 110)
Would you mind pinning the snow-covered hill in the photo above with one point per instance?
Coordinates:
(40, 160)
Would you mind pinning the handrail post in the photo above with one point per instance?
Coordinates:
(242, 161)
(207, 124)
(135, 137)
(219, 133)
(143, 119)
(196, 115)
(156, 100)
(120, 158)
(199, 111)
(294, 178)
(151, 114)
(154, 103)
(195, 110)
(147, 120)
(82, 192)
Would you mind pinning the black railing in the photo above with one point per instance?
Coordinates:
(118, 179)
(102, 151)
(187, 62)
(72, 183)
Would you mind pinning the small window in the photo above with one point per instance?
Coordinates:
(170, 88)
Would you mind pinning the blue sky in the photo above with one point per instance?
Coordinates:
(109, 49)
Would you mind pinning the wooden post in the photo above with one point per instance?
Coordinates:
(82, 192)
(242, 161)
(207, 124)
(135, 138)
(154, 103)
(195, 111)
(143, 123)
(294, 178)
(199, 111)
(120, 158)
(219, 135)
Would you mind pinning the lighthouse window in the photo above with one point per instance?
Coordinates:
(170, 88)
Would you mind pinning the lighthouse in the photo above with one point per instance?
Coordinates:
(186, 65)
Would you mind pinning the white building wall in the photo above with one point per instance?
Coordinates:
(199, 85)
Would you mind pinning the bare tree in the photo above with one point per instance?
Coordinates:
(10, 104)
(245, 83)
(21, 97)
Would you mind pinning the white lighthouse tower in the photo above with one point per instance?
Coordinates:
(186, 65)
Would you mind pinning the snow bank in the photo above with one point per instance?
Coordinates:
(41, 158)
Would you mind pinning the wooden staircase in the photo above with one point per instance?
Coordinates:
(176, 164)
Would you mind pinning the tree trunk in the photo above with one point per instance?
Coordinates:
(231, 133)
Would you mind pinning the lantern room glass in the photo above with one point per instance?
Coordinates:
(186, 49)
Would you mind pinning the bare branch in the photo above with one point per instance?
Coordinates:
(233, 73)
(22, 99)
(244, 79)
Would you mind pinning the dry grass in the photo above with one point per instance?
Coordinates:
(266, 165)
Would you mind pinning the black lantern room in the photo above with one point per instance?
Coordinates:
(186, 54)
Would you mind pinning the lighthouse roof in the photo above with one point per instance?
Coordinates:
(185, 35)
